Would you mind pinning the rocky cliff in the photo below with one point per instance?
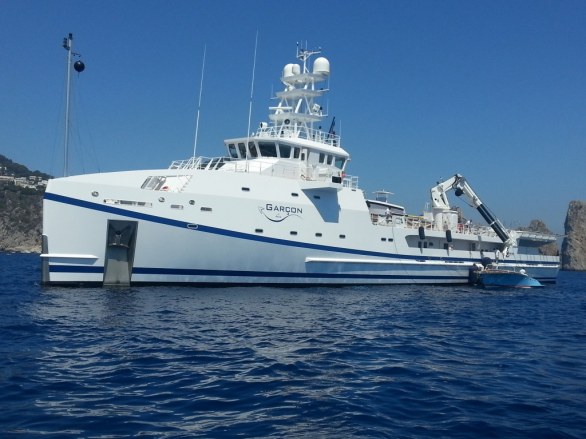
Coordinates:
(21, 200)
(20, 220)
(539, 226)
(574, 245)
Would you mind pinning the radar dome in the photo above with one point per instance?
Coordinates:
(288, 71)
(321, 66)
(291, 70)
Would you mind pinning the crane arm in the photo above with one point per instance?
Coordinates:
(461, 187)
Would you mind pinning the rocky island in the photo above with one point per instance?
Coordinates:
(574, 245)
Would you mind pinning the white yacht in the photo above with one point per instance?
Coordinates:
(277, 209)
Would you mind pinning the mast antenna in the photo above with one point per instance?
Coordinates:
(251, 89)
(79, 67)
(199, 101)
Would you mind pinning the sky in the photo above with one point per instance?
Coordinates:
(421, 90)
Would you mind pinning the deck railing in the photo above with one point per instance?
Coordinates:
(265, 167)
(414, 222)
(299, 133)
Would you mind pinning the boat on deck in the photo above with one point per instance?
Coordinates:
(279, 208)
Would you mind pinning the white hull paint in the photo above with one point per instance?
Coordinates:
(235, 243)
(279, 212)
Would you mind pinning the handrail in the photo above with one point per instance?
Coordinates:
(265, 167)
(299, 132)
(414, 222)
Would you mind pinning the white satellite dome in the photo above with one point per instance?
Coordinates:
(321, 66)
(288, 71)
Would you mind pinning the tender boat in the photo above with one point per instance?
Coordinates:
(279, 208)
(494, 277)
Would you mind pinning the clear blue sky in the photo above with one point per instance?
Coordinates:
(494, 90)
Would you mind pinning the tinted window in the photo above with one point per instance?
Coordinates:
(242, 150)
(267, 149)
(285, 151)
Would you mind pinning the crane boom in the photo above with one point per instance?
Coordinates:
(460, 186)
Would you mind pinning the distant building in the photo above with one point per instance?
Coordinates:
(31, 182)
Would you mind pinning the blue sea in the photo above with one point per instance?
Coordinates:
(353, 362)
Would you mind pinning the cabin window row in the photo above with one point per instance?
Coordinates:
(263, 149)
(280, 150)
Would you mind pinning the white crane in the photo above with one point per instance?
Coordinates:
(461, 187)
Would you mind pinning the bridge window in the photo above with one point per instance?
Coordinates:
(322, 157)
(295, 153)
(232, 150)
(285, 151)
(330, 159)
(252, 149)
(242, 150)
(267, 149)
(339, 162)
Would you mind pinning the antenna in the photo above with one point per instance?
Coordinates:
(67, 45)
(79, 67)
(251, 91)
(199, 101)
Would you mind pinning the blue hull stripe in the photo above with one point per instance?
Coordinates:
(247, 236)
(236, 273)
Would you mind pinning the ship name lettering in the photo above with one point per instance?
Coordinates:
(286, 209)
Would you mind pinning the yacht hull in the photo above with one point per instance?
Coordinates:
(227, 236)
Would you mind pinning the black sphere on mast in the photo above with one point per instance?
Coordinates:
(79, 66)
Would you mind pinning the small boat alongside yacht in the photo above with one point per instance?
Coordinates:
(507, 279)
(491, 276)
(279, 208)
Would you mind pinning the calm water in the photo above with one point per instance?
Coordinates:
(405, 362)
